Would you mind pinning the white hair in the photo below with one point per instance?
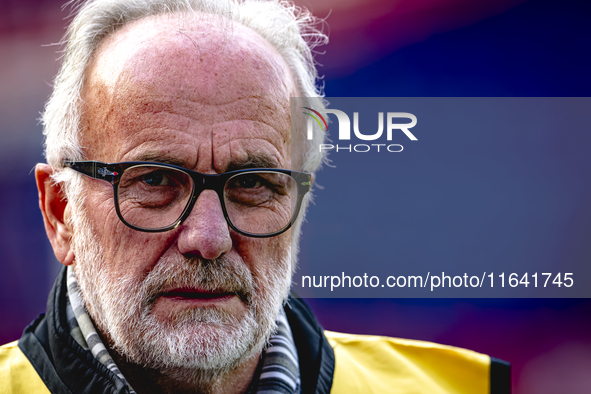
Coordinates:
(291, 30)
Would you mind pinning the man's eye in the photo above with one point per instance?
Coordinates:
(249, 181)
(155, 178)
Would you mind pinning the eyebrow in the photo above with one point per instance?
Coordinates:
(259, 161)
(156, 158)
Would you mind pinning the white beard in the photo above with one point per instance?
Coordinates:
(210, 341)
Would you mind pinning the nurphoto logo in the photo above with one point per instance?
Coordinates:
(344, 124)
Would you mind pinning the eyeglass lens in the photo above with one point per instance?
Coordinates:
(154, 197)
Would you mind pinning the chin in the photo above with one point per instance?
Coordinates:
(205, 339)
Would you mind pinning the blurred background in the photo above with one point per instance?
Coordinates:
(421, 48)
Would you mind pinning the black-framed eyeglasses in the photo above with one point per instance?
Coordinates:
(155, 197)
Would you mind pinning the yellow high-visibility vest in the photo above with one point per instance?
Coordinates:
(374, 364)
(17, 375)
(363, 364)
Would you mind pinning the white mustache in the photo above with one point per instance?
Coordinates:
(220, 275)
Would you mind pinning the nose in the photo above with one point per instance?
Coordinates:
(205, 233)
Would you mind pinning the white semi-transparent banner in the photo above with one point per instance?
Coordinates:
(444, 197)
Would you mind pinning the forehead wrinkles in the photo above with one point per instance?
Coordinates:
(129, 119)
(153, 66)
(265, 110)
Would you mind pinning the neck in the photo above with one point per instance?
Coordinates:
(183, 380)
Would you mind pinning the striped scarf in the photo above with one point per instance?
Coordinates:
(279, 371)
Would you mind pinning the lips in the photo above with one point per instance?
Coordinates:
(196, 294)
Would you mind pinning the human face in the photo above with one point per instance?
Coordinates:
(212, 97)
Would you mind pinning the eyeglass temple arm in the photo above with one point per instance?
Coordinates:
(93, 169)
(305, 180)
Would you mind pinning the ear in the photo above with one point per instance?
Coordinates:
(55, 210)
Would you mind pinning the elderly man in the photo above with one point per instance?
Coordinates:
(172, 196)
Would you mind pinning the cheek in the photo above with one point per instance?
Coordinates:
(264, 254)
(134, 254)
(125, 251)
